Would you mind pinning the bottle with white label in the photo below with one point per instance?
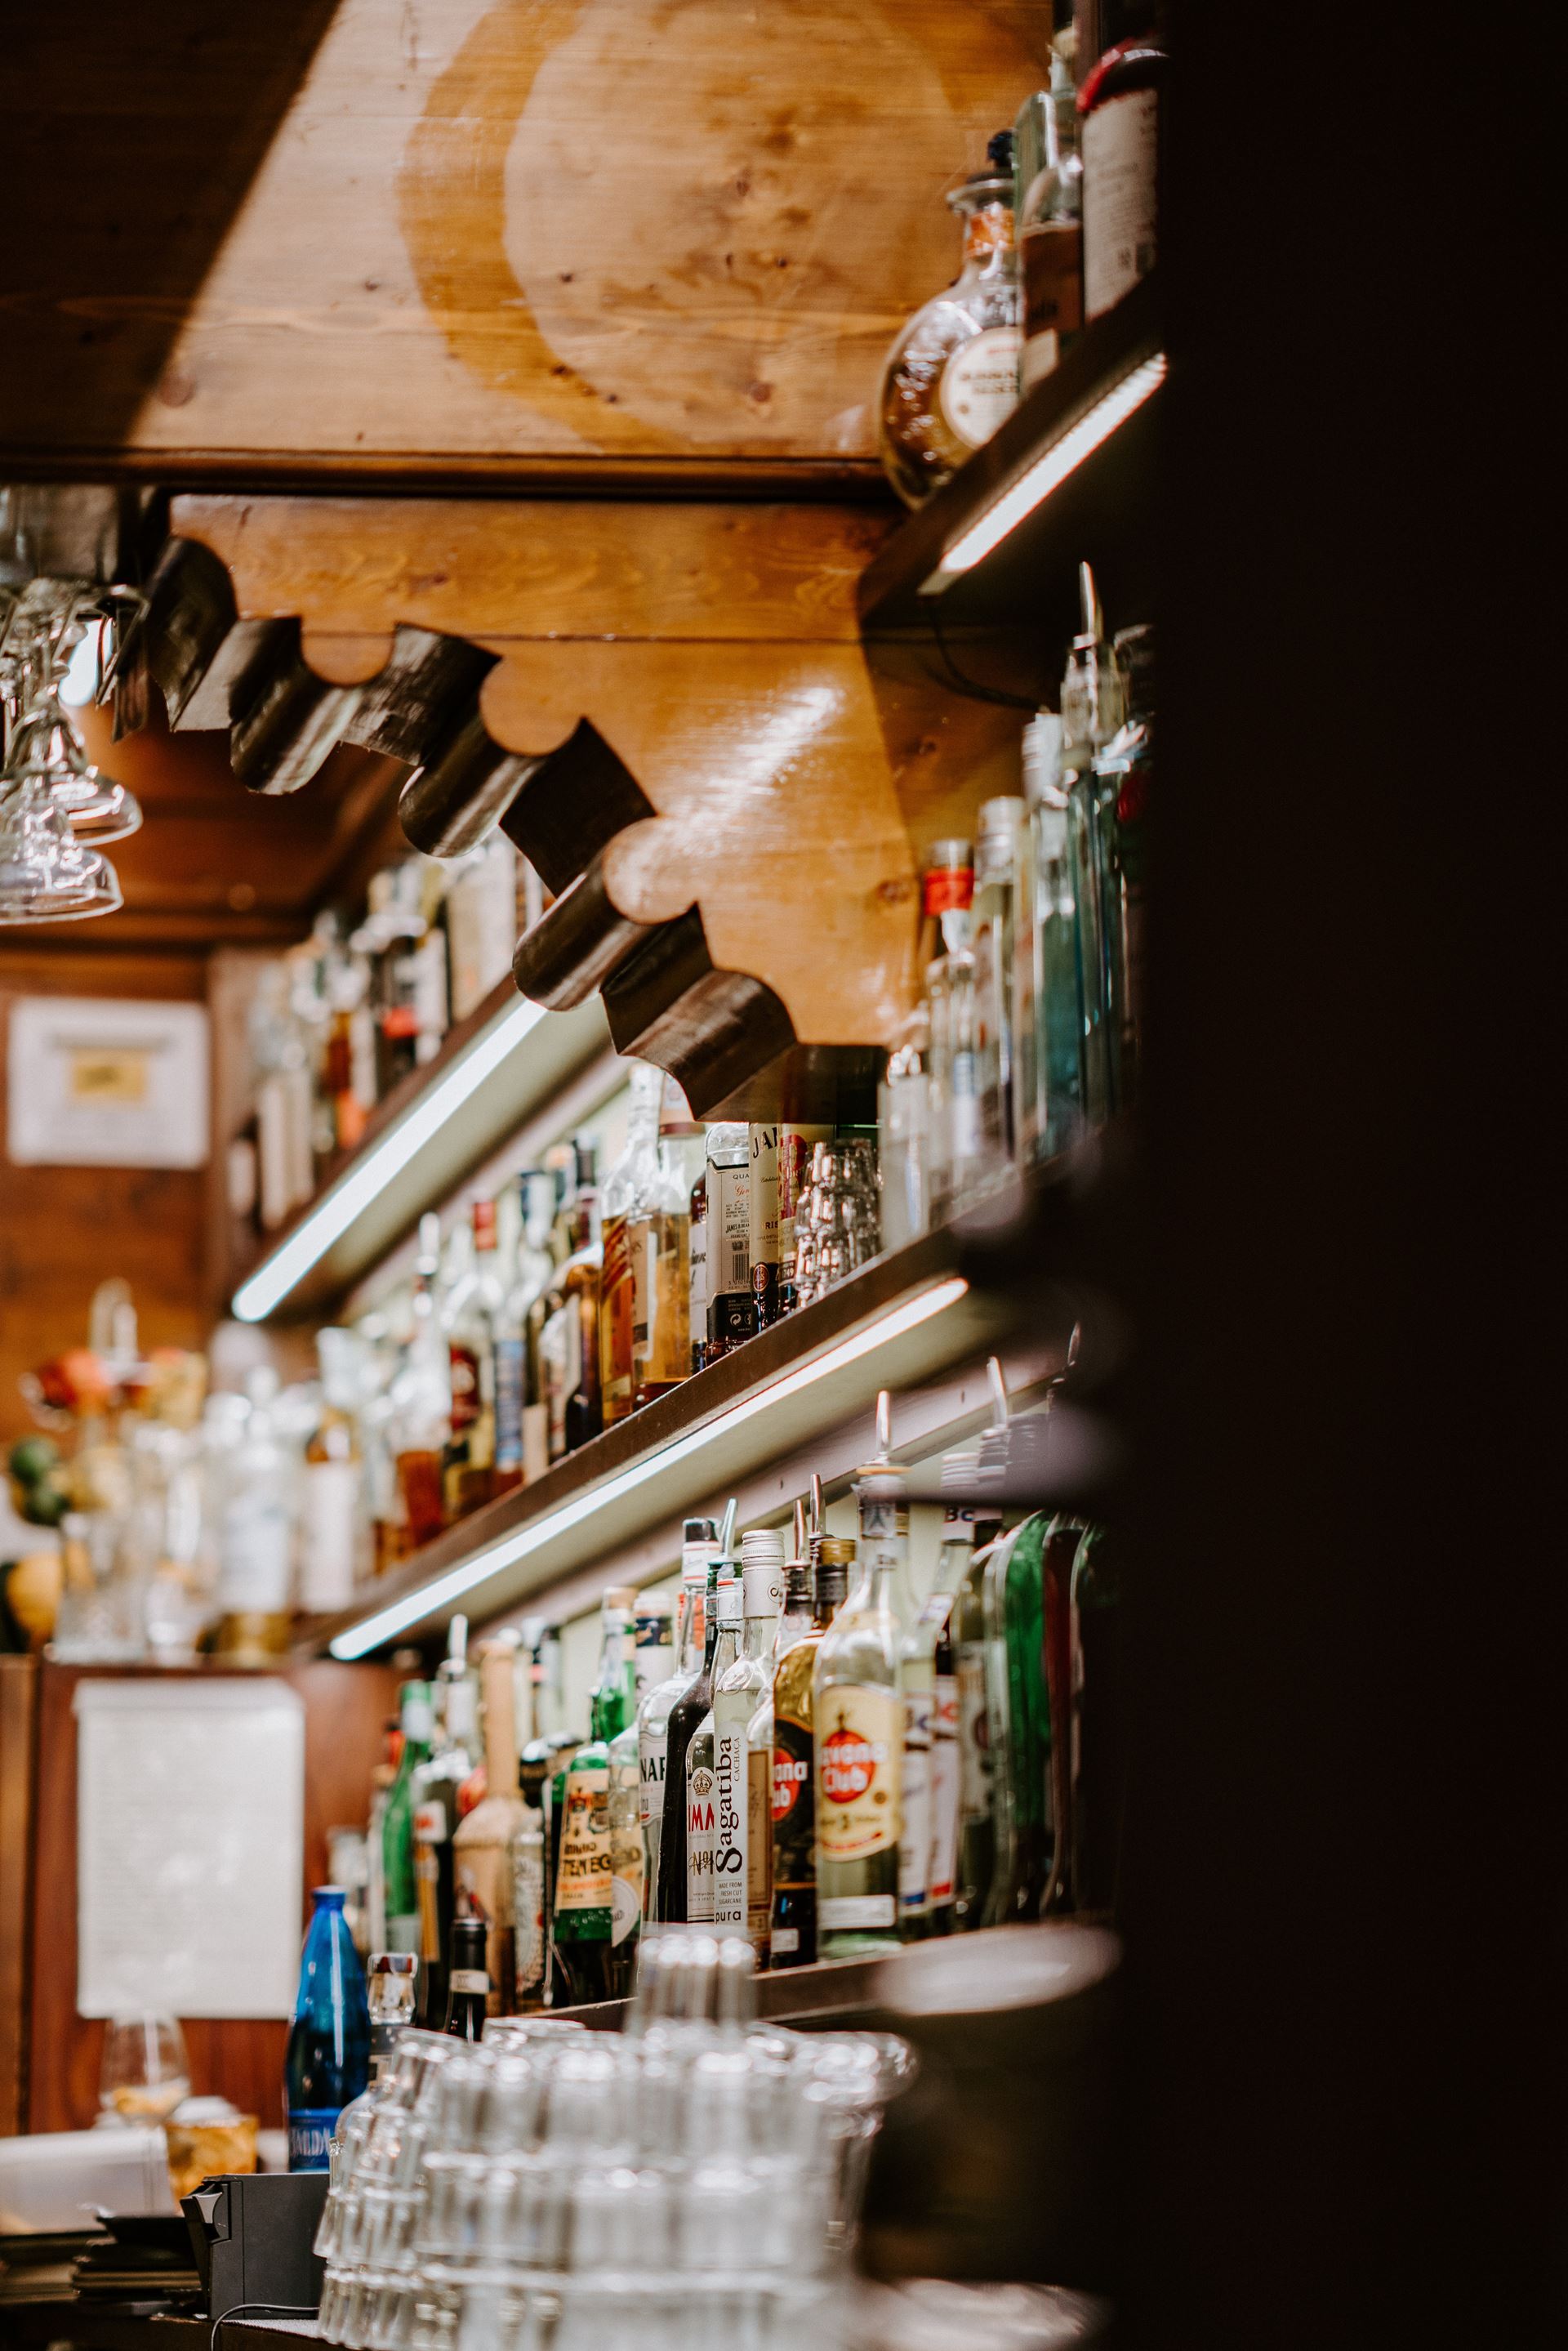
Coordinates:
(699, 1547)
(857, 1726)
(1118, 113)
(951, 377)
(334, 1543)
(584, 1913)
(256, 1531)
(743, 1839)
(703, 1826)
(731, 1308)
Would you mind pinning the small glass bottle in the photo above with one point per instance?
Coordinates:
(951, 376)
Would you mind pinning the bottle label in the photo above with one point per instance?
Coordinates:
(466, 1397)
(915, 1802)
(698, 1309)
(470, 1979)
(759, 1847)
(617, 1307)
(311, 2130)
(583, 1879)
(661, 1339)
(958, 1526)
(652, 1747)
(731, 1825)
(1050, 256)
(839, 1914)
(784, 1941)
(1121, 151)
(792, 1771)
(980, 384)
(700, 1830)
(943, 1868)
(729, 1230)
(509, 1375)
(256, 1563)
(431, 1823)
(528, 1906)
(859, 1750)
(974, 1733)
(625, 1904)
(329, 1523)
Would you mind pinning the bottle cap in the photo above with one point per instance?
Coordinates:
(761, 1570)
(623, 1595)
(696, 1556)
(1042, 755)
(729, 1603)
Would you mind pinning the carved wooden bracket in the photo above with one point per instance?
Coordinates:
(668, 706)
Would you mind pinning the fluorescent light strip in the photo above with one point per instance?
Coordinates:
(1047, 473)
(359, 1639)
(339, 1206)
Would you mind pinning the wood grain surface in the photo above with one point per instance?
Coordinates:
(505, 233)
(345, 1709)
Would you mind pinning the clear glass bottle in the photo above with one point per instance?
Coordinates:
(471, 1316)
(569, 1342)
(1048, 209)
(703, 1828)
(743, 1844)
(521, 1412)
(482, 1845)
(955, 1156)
(334, 1524)
(794, 1940)
(625, 1823)
(951, 376)
(1094, 706)
(659, 1239)
(434, 1796)
(686, 1714)
(859, 1730)
(629, 1192)
(928, 1679)
(699, 1547)
(903, 1115)
(1048, 1018)
(993, 936)
(422, 1401)
(256, 1531)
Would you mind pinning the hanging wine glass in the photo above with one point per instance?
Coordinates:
(47, 749)
(46, 875)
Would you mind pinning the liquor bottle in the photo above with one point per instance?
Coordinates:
(1124, 775)
(1094, 706)
(481, 922)
(793, 1939)
(422, 1390)
(1048, 212)
(628, 1195)
(743, 1839)
(684, 1717)
(398, 925)
(389, 1983)
(570, 1342)
(1048, 1018)
(699, 1547)
(481, 1846)
(930, 1688)
(1119, 132)
(1062, 1537)
(653, 1654)
(794, 1150)
(992, 918)
(732, 1306)
(955, 1156)
(467, 1981)
(1099, 1737)
(333, 1533)
(436, 1788)
(584, 1924)
(903, 1140)
(967, 1633)
(702, 1823)
(528, 1906)
(763, 1225)
(255, 1532)
(327, 2060)
(1020, 1729)
(401, 1887)
(951, 376)
(947, 888)
(857, 1726)
(470, 1316)
(625, 1823)
(521, 1413)
(697, 1258)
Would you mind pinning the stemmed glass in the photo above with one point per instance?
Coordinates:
(54, 803)
(146, 2073)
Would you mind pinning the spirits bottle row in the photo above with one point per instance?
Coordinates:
(1059, 224)
(803, 1757)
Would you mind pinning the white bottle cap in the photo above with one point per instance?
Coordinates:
(761, 1570)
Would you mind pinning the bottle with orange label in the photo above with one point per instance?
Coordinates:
(793, 1939)
(857, 1727)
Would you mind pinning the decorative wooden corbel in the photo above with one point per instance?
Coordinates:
(668, 706)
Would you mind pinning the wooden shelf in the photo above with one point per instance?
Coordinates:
(901, 1320)
(1101, 511)
(525, 1071)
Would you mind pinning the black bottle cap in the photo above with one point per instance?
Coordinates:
(468, 1943)
(999, 150)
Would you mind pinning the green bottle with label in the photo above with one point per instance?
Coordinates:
(585, 1907)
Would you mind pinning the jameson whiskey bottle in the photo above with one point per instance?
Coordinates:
(952, 374)
(859, 1732)
(793, 1939)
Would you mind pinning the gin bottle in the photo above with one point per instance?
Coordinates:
(952, 374)
(699, 1545)
(702, 1822)
(743, 1845)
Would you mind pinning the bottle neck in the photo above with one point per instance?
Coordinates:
(692, 1627)
(762, 1633)
(726, 1648)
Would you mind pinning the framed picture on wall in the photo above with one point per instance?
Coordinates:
(91, 1083)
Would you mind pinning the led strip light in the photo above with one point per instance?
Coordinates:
(352, 1194)
(1048, 472)
(444, 1590)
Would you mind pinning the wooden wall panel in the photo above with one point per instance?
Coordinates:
(346, 1706)
(491, 237)
(63, 1229)
(18, 1688)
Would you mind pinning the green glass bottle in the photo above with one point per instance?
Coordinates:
(1099, 1734)
(584, 1918)
(415, 1707)
(1019, 1723)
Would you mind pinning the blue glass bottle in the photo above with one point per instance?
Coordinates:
(328, 2060)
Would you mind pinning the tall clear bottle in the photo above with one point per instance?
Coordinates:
(1093, 702)
(858, 1728)
(472, 1319)
(967, 1633)
(699, 1546)
(994, 936)
(743, 1849)
(955, 1147)
(334, 1525)
(929, 1680)
(707, 1820)
(569, 1342)
(1048, 1020)
(629, 1192)
(402, 1887)
(685, 1715)
(522, 1411)
(422, 1390)
(435, 1790)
